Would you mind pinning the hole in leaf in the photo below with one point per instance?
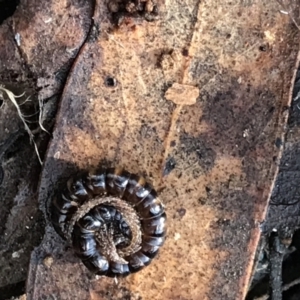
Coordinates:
(110, 82)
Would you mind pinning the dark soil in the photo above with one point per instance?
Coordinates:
(279, 254)
(7, 8)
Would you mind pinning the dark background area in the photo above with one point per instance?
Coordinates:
(7, 8)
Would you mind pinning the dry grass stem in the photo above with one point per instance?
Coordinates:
(12, 97)
(41, 105)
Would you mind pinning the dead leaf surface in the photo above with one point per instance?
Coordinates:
(241, 58)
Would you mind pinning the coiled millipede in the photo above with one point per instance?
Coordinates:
(113, 219)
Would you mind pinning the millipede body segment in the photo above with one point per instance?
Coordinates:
(113, 219)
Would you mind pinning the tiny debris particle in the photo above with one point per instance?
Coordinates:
(169, 166)
(246, 133)
(17, 254)
(270, 36)
(124, 9)
(182, 94)
(284, 12)
(49, 20)
(48, 261)
(181, 211)
(149, 6)
(57, 155)
(18, 39)
(177, 236)
(130, 7)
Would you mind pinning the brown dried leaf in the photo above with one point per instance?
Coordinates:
(241, 57)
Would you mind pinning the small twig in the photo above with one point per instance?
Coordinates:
(12, 97)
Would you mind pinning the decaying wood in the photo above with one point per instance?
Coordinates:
(241, 58)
